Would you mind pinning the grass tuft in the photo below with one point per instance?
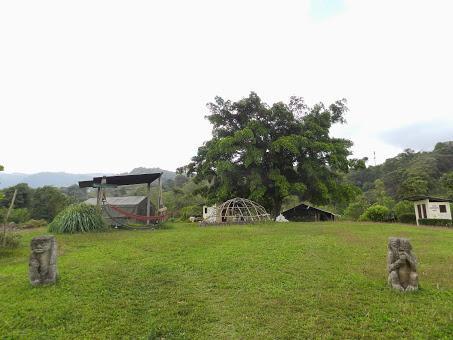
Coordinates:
(78, 218)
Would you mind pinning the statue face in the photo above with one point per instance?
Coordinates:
(405, 246)
(400, 246)
(40, 245)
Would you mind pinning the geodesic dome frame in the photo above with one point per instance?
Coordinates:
(241, 210)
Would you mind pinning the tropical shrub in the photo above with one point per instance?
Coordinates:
(78, 218)
(376, 213)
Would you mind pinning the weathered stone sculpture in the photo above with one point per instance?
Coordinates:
(402, 265)
(43, 260)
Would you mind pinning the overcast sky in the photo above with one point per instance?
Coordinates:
(106, 86)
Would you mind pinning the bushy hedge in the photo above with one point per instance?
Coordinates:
(376, 213)
(436, 222)
(78, 218)
(407, 218)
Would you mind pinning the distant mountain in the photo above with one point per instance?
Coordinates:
(167, 175)
(63, 179)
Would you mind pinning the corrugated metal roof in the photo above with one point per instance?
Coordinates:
(122, 180)
(123, 201)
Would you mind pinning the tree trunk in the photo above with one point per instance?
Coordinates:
(276, 209)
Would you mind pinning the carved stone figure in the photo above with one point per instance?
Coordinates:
(43, 260)
(401, 265)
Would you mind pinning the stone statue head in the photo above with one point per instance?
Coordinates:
(399, 246)
(41, 244)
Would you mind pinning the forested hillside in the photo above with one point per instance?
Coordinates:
(411, 173)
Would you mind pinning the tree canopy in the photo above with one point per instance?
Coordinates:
(266, 153)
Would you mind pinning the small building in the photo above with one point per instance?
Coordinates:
(209, 214)
(428, 207)
(136, 205)
(305, 212)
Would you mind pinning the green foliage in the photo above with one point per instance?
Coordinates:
(410, 173)
(17, 215)
(404, 211)
(267, 153)
(47, 202)
(376, 213)
(355, 209)
(378, 195)
(414, 185)
(404, 207)
(191, 210)
(447, 183)
(23, 197)
(435, 222)
(78, 218)
(12, 240)
(409, 218)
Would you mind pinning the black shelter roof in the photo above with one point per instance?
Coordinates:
(122, 180)
(430, 198)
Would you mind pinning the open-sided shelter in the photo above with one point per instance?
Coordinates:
(101, 183)
(132, 204)
(305, 212)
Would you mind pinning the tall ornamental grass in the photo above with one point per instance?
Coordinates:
(78, 218)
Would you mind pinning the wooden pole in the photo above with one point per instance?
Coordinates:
(159, 194)
(148, 202)
(7, 216)
(98, 197)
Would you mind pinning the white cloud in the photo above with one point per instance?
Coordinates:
(108, 85)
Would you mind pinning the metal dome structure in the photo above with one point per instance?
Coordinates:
(241, 210)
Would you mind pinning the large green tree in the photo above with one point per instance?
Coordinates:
(23, 196)
(267, 153)
(47, 202)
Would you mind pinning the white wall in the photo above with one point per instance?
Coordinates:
(433, 210)
(209, 213)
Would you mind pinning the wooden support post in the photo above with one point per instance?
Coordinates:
(7, 216)
(158, 194)
(98, 198)
(148, 202)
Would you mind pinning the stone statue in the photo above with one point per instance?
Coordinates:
(43, 260)
(401, 265)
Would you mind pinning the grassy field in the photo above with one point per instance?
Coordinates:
(263, 281)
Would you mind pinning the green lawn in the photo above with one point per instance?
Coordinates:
(263, 281)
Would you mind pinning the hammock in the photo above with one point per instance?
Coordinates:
(142, 218)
